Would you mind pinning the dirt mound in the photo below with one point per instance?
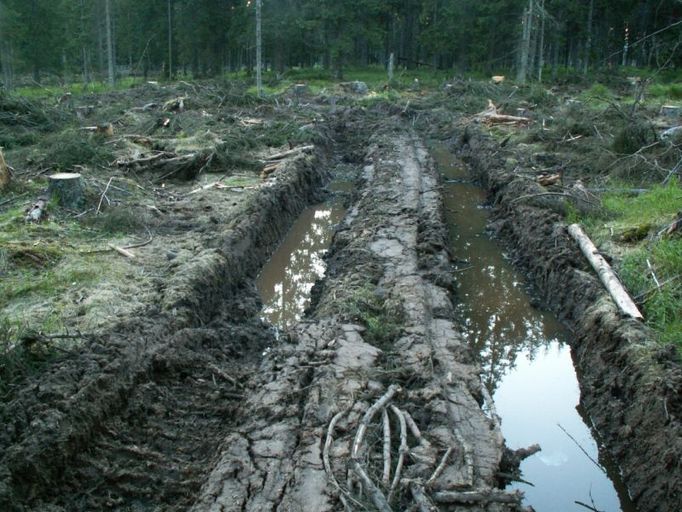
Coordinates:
(630, 386)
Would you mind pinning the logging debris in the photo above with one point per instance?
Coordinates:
(491, 116)
(606, 274)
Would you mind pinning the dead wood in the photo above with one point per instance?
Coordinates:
(386, 478)
(547, 180)
(122, 251)
(606, 274)
(38, 211)
(176, 104)
(491, 116)
(106, 130)
(186, 166)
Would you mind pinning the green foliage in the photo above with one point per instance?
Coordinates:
(666, 91)
(381, 319)
(71, 147)
(632, 137)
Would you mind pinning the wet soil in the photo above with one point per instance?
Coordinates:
(630, 386)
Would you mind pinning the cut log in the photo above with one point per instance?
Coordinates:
(67, 189)
(671, 111)
(106, 129)
(38, 211)
(482, 496)
(175, 105)
(5, 174)
(606, 274)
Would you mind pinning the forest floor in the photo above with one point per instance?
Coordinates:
(130, 335)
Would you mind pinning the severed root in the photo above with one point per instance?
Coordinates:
(401, 451)
(386, 478)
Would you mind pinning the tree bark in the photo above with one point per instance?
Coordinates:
(588, 43)
(67, 189)
(606, 274)
(259, 49)
(110, 42)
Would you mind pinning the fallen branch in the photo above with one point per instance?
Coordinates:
(441, 466)
(122, 251)
(101, 198)
(491, 116)
(606, 274)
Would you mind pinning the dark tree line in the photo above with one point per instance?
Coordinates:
(69, 39)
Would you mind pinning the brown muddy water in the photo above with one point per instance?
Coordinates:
(286, 281)
(526, 362)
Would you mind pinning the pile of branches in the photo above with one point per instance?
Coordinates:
(405, 470)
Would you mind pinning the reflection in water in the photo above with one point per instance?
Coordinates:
(286, 280)
(526, 363)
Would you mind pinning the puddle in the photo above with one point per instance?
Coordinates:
(287, 279)
(526, 363)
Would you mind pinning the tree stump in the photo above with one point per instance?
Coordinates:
(67, 189)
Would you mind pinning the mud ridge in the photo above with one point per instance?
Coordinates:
(383, 412)
(630, 386)
(73, 425)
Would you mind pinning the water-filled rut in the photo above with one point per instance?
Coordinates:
(526, 361)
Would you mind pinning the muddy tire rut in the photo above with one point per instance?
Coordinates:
(343, 418)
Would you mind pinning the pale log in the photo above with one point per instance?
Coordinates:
(606, 274)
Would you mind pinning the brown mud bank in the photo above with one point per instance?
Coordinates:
(374, 402)
(630, 386)
(129, 421)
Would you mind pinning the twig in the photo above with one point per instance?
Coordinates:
(401, 451)
(588, 507)
(441, 466)
(582, 449)
(101, 198)
(651, 269)
(386, 478)
(513, 478)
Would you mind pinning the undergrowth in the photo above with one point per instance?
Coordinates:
(381, 319)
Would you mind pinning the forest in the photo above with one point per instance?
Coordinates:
(77, 40)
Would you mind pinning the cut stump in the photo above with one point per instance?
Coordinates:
(67, 188)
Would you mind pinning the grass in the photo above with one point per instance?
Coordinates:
(76, 88)
(381, 320)
(653, 255)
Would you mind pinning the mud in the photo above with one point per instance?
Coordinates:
(630, 386)
(300, 446)
(149, 391)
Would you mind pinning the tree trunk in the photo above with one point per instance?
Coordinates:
(588, 42)
(541, 44)
(525, 44)
(110, 42)
(170, 42)
(259, 49)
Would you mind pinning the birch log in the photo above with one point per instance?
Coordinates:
(606, 274)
